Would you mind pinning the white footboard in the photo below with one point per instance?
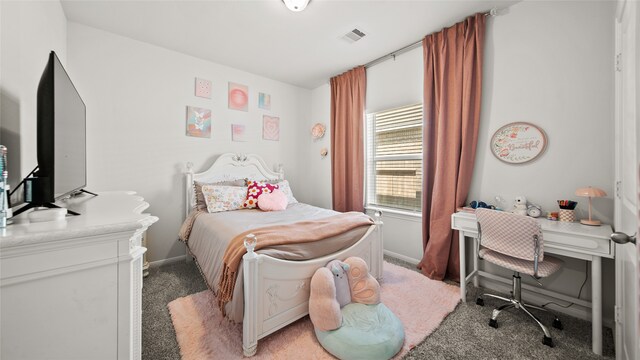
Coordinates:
(276, 292)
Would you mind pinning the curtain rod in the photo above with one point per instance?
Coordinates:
(393, 54)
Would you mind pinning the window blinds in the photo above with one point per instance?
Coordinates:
(394, 158)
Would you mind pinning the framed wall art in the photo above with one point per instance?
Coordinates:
(238, 132)
(198, 122)
(264, 101)
(518, 142)
(270, 128)
(238, 97)
(203, 88)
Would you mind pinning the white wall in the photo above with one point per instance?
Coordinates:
(316, 188)
(391, 84)
(555, 70)
(30, 30)
(548, 63)
(136, 96)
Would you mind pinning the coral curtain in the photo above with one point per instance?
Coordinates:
(347, 143)
(452, 94)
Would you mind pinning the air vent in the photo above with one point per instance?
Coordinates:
(354, 35)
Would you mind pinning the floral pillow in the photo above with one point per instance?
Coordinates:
(197, 188)
(224, 198)
(255, 189)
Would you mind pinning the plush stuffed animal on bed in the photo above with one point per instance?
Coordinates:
(345, 309)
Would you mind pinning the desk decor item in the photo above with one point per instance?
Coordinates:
(518, 143)
(590, 192)
(567, 210)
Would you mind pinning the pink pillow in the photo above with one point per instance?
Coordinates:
(273, 201)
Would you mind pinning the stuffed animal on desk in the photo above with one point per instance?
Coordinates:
(520, 206)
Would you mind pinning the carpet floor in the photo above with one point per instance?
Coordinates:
(464, 334)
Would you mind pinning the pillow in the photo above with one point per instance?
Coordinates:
(223, 198)
(284, 186)
(273, 201)
(254, 190)
(197, 188)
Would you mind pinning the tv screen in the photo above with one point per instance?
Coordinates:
(61, 133)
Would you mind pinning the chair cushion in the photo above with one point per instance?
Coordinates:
(545, 268)
(367, 332)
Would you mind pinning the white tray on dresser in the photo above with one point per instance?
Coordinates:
(72, 289)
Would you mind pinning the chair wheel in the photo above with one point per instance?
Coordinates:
(494, 324)
(480, 301)
(547, 341)
(557, 324)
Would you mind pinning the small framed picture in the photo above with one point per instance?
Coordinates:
(264, 101)
(203, 88)
(238, 132)
(270, 128)
(238, 97)
(198, 122)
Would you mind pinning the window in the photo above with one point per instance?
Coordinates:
(394, 158)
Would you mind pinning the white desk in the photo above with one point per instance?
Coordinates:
(590, 243)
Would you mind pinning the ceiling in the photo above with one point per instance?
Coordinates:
(265, 38)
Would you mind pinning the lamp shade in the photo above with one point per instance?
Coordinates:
(296, 5)
(590, 192)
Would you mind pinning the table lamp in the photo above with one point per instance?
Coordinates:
(590, 192)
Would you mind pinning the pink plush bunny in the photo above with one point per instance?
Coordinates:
(336, 285)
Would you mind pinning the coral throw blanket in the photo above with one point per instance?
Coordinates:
(296, 233)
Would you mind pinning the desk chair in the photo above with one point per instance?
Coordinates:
(515, 242)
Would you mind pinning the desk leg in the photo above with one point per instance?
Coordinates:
(463, 272)
(475, 262)
(596, 304)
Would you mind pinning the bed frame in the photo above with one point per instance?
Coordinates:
(276, 292)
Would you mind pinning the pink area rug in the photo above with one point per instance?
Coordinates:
(202, 332)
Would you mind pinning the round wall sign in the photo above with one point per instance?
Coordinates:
(518, 142)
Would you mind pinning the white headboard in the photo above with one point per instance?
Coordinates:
(229, 166)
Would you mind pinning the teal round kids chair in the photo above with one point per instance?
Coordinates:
(350, 321)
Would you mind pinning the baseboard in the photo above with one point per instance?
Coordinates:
(533, 298)
(172, 260)
(402, 257)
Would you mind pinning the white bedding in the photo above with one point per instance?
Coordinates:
(212, 232)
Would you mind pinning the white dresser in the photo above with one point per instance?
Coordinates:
(72, 289)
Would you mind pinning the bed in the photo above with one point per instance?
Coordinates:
(271, 292)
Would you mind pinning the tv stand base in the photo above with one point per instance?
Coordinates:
(47, 205)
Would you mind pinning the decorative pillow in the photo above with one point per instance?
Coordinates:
(223, 198)
(197, 188)
(284, 186)
(273, 201)
(254, 190)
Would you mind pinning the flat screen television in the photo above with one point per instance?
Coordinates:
(61, 139)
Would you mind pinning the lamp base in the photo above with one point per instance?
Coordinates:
(590, 222)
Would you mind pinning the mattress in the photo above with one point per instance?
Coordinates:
(211, 234)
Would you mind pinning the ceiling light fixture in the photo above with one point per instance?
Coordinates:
(296, 5)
